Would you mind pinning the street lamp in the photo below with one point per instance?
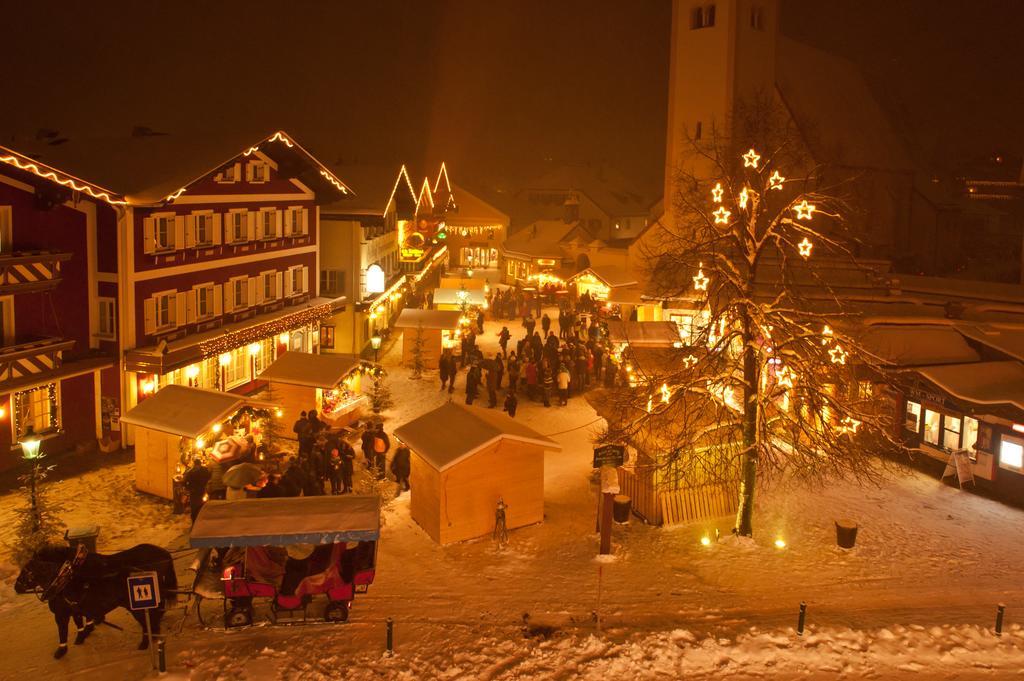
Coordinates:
(375, 344)
(30, 451)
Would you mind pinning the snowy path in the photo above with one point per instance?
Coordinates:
(915, 599)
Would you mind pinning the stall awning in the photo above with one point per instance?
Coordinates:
(644, 334)
(185, 411)
(609, 275)
(287, 520)
(982, 383)
(456, 296)
(307, 369)
(453, 432)
(918, 345)
(411, 318)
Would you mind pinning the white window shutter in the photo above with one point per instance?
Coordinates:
(238, 172)
(218, 300)
(190, 231)
(305, 221)
(190, 306)
(248, 172)
(149, 235)
(229, 297)
(259, 225)
(253, 285)
(287, 283)
(279, 287)
(218, 224)
(149, 316)
(179, 231)
(256, 286)
(252, 215)
(289, 222)
(305, 279)
(278, 222)
(181, 309)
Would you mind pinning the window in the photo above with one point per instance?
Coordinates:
(204, 229)
(296, 274)
(39, 408)
(165, 310)
(702, 17)
(228, 174)
(269, 286)
(931, 426)
(265, 356)
(236, 371)
(757, 18)
(295, 221)
(239, 231)
(208, 374)
(951, 432)
(240, 292)
(327, 337)
(332, 282)
(205, 306)
(163, 232)
(865, 390)
(107, 322)
(913, 418)
(258, 171)
(970, 440)
(1011, 453)
(697, 131)
(269, 218)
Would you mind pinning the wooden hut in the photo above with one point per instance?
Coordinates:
(454, 298)
(435, 328)
(328, 383)
(173, 424)
(464, 459)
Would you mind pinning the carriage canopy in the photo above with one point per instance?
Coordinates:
(287, 520)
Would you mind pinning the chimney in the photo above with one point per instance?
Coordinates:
(571, 209)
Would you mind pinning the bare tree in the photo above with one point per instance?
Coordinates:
(772, 382)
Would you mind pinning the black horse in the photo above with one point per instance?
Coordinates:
(86, 586)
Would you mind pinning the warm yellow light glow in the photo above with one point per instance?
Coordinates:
(705, 540)
(148, 387)
(63, 179)
(200, 443)
(216, 427)
(722, 216)
(650, 404)
(278, 413)
(826, 333)
(848, 426)
(666, 394)
(689, 360)
(804, 210)
(805, 247)
(283, 338)
(744, 197)
(224, 359)
(751, 159)
(784, 377)
(3, 412)
(837, 354)
(254, 348)
(717, 193)
(191, 371)
(780, 543)
(700, 282)
(776, 180)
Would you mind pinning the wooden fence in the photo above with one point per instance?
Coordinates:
(677, 506)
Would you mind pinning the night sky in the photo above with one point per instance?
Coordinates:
(496, 88)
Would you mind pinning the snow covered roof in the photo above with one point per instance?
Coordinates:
(541, 239)
(375, 186)
(315, 371)
(611, 275)
(185, 411)
(1009, 340)
(411, 318)
(985, 383)
(453, 432)
(644, 334)
(917, 345)
(287, 520)
(472, 210)
(450, 296)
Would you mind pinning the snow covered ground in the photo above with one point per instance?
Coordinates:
(915, 599)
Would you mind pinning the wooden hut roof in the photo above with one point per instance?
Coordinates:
(453, 432)
(185, 411)
(307, 369)
(410, 318)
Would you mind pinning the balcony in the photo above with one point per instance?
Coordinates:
(32, 356)
(28, 271)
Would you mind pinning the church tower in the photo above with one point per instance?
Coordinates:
(721, 51)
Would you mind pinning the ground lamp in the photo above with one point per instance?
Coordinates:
(375, 344)
(30, 450)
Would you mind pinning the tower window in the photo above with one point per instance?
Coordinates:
(702, 17)
(757, 18)
(697, 131)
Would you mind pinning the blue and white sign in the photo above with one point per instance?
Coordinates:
(144, 590)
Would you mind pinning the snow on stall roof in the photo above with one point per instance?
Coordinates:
(316, 371)
(916, 345)
(644, 334)
(453, 432)
(450, 296)
(611, 275)
(287, 520)
(189, 412)
(980, 382)
(1006, 339)
(411, 318)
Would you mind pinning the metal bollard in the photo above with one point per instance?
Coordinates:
(803, 616)
(1000, 609)
(391, 636)
(161, 655)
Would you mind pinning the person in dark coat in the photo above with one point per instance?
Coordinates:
(302, 434)
(499, 369)
(195, 480)
(503, 337)
(529, 323)
(444, 367)
(545, 323)
(512, 368)
(294, 479)
(316, 426)
(480, 321)
(272, 488)
(366, 442)
(547, 381)
(348, 457)
(491, 380)
(401, 467)
(472, 383)
(381, 445)
(511, 403)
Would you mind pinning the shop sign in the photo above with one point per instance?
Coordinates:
(960, 463)
(922, 395)
(609, 455)
(374, 279)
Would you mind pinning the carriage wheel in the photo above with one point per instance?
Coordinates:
(238, 616)
(336, 611)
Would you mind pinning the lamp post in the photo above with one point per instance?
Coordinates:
(375, 344)
(30, 451)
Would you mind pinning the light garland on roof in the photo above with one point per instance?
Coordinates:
(333, 180)
(260, 332)
(66, 181)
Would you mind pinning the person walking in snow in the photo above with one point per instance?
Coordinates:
(195, 480)
(367, 445)
(499, 369)
(529, 323)
(381, 445)
(503, 337)
(545, 324)
(472, 383)
(511, 403)
(563, 386)
(491, 380)
(401, 466)
(512, 367)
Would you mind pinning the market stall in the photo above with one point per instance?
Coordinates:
(431, 330)
(599, 282)
(331, 384)
(179, 422)
(456, 298)
(466, 459)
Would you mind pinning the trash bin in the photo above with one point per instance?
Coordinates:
(86, 534)
(846, 533)
(621, 506)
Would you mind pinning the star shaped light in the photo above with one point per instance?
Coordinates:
(784, 377)
(750, 159)
(804, 210)
(837, 354)
(826, 334)
(805, 247)
(700, 282)
(689, 360)
(744, 197)
(848, 426)
(717, 192)
(722, 215)
(776, 180)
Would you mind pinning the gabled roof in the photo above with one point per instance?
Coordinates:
(307, 369)
(611, 190)
(376, 186)
(442, 183)
(154, 169)
(453, 432)
(542, 239)
(611, 276)
(983, 383)
(472, 210)
(411, 318)
(425, 193)
(644, 334)
(185, 411)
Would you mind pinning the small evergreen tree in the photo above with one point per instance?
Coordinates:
(418, 342)
(380, 396)
(273, 429)
(37, 522)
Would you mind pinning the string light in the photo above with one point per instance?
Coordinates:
(717, 193)
(666, 393)
(804, 210)
(700, 282)
(51, 394)
(776, 180)
(744, 197)
(224, 359)
(848, 426)
(826, 333)
(838, 355)
(805, 247)
(46, 172)
(722, 216)
(751, 159)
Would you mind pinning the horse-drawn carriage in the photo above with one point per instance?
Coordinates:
(289, 551)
